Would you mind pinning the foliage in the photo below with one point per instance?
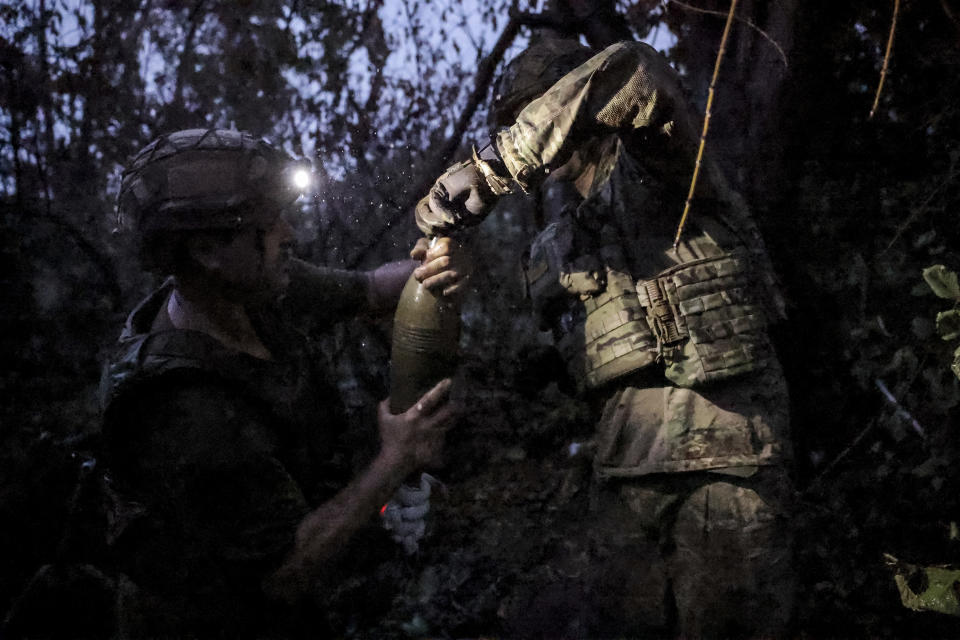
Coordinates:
(944, 284)
(851, 209)
(927, 588)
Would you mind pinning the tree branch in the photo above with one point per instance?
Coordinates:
(886, 58)
(951, 15)
(177, 107)
(706, 123)
(749, 23)
(482, 81)
(14, 74)
(45, 74)
(952, 174)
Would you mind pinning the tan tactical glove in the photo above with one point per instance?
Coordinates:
(464, 194)
(460, 197)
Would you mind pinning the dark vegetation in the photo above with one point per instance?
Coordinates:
(852, 210)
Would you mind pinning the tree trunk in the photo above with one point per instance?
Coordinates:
(748, 106)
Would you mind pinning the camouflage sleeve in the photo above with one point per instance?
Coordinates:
(627, 88)
(325, 294)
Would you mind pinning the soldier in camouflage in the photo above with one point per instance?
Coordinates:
(233, 501)
(692, 435)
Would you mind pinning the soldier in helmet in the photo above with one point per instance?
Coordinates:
(232, 497)
(669, 343)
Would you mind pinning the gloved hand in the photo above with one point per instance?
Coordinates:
(406, 514)
(460, 197)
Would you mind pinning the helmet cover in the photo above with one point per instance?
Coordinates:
(205, 179)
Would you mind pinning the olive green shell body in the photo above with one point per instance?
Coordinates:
(426, 333)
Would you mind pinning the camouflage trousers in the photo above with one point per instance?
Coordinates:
(691, 555)
(724, 546)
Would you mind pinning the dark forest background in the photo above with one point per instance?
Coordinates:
(382, 96)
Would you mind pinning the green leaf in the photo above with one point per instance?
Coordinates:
(948, 324)
(926, 588)
(956, 362)
(943, 281)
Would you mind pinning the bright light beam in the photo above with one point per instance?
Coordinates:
(301, 179)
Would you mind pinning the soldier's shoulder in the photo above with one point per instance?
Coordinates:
(140, 359)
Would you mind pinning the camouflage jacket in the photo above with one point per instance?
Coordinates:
(626, 113)
(214, 457)
(623, 117)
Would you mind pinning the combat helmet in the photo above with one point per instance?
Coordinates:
(206, 179)
(531, 73)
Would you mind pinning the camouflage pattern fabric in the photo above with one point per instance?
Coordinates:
(743, 422)
(692, 556)
(710, 321)
(693, 434)
(215, 457)
(204, 179)
(725, 546)
(531, 73)
(589, 303)
(629, 95)
(623, 116)
(628, 88)
(693, 430)
(630, 92)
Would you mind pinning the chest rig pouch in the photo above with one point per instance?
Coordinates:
(615, 338)
(708, 322)
(590, 303)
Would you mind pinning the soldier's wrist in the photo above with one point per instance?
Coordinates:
(491, 154)
(493, 169)
(396, 463)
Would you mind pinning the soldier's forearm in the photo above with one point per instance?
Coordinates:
(313, 287)
(385, 283)
(627, 87)
(376, 292)
(325, 531)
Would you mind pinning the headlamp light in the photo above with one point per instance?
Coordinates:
(296, 177)
(301, 179)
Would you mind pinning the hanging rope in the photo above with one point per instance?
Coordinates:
(710, 12)
(706, 123)
(886, 59)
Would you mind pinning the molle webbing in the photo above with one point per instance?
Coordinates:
(613, 339)
(712, 302)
